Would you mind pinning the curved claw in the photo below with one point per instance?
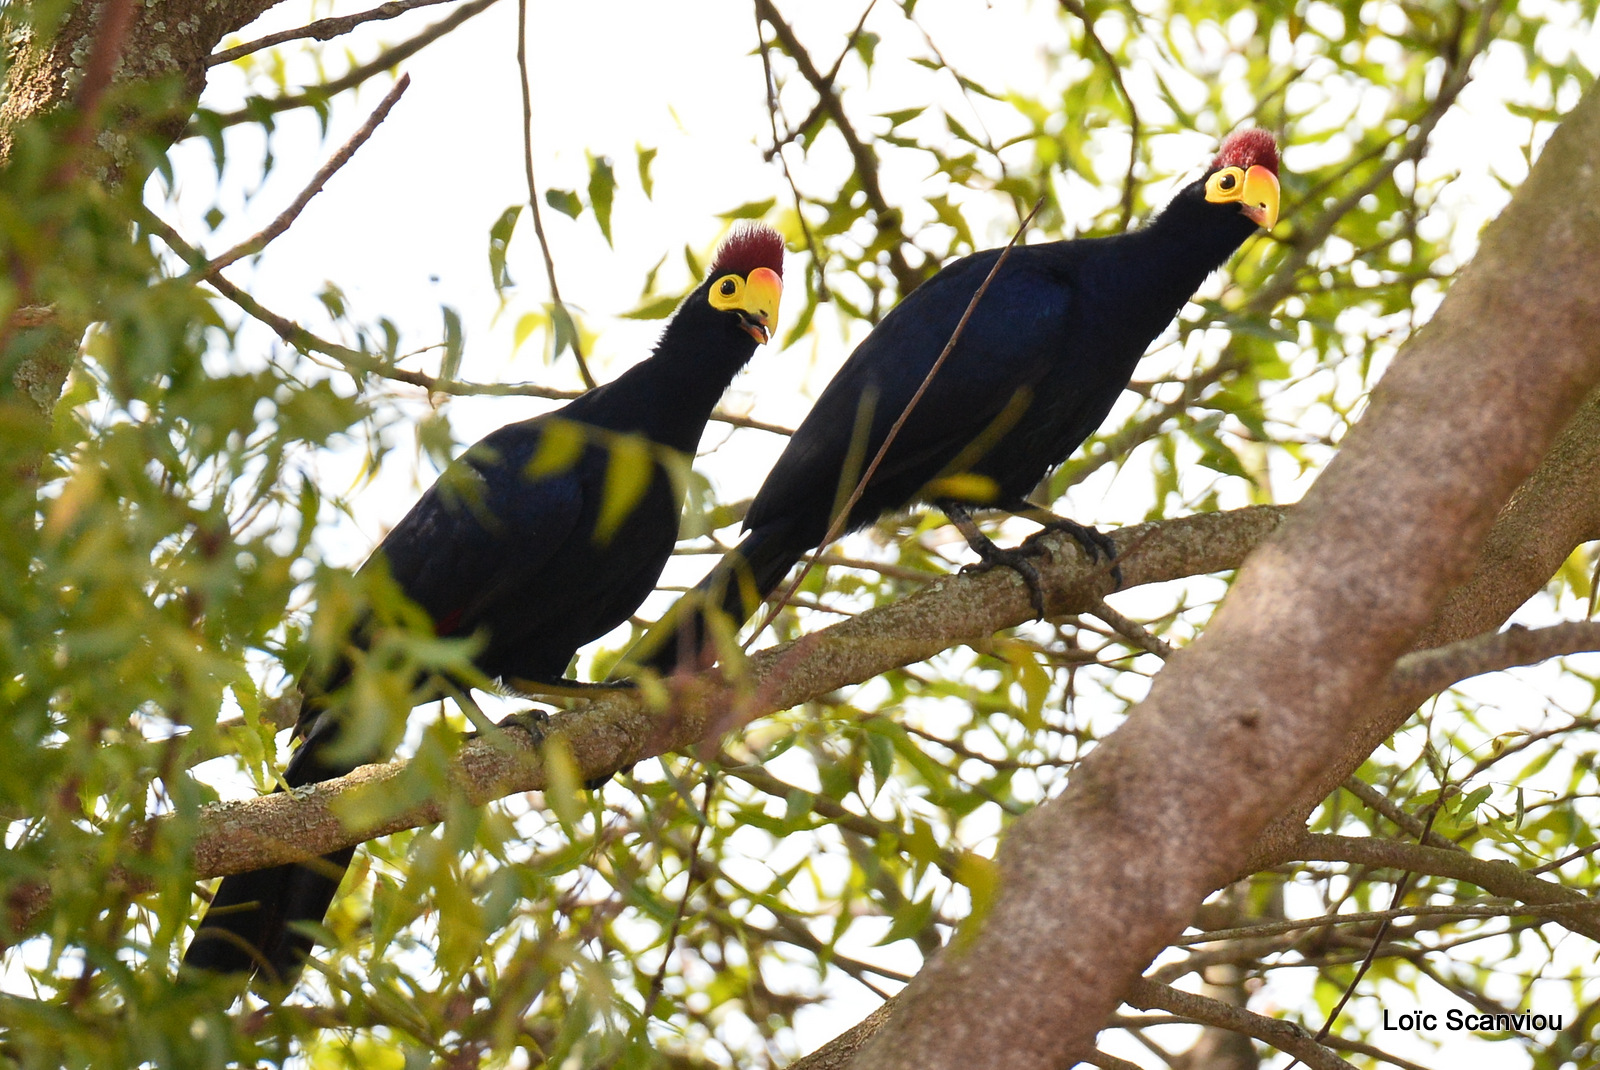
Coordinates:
(1018, 561)
(531, 721)
(1097, 545)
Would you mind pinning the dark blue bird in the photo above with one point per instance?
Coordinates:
(541, 537)
(1043, 358)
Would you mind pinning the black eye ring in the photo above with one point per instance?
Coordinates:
(728, 287)
(1226, 182)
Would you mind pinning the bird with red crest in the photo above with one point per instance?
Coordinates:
(1035, 370)
(541, 537)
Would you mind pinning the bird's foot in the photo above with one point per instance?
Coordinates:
(531, 721)
(1097, 545)
(1018, 560)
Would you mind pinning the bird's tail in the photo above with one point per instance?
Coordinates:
(729, 595)
(256, 920)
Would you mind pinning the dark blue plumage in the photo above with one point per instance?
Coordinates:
(1043, 358)
(542, 537)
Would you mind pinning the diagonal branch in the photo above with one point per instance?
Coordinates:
(1284, 1035)
(866, 164)
(258, 109)
(286, 218)
(622, 729)
(321, 30)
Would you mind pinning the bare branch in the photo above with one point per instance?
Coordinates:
(286, 219)
(321, 30)
(1115, 73)
(533, 193)
(1427, 672)
(384, 61)
(1284, 1035)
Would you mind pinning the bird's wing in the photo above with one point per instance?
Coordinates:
(483, 525)
(1012, 338)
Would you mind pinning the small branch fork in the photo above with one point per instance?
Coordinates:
(906, 277)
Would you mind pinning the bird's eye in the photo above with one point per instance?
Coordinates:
(1226, 182)
(728, 287)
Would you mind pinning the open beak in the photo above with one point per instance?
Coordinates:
(1259, 198)
(758, 312)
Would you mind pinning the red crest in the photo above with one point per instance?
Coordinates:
(1248, 148)
(749, 246)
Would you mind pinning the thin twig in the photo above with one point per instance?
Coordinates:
(319, 94)
(658, 982)
(1382, 804)
(843, 517)
(533, 193)
(321, 30)
(1132, 630)
(286, 219)
(778, 144)
(1078, 9)
(1400, 889)
(1284, 1035)
(866, 164)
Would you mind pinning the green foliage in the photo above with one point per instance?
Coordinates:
(162, 580)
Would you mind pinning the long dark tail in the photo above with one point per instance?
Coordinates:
(733, 591)
(252, 922)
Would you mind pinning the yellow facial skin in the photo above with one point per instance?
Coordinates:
(755, 299)
(1254, 190)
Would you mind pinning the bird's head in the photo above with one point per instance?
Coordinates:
(1245, 173)
(746, 279)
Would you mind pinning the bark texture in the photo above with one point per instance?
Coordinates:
(163, 39)
(1252, 718)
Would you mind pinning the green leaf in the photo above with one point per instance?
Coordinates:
(628, 473)
(564, 201)
(646, 158)
(602, 190)
(658, 308)
(454, 344)
(499, 241)
(752, 210)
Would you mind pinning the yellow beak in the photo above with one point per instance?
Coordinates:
(1259, 198)
(759, 308)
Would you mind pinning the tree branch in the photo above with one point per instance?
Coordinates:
(889, 219)
(257, 109)
(321, 30)
(286, 219)
(1284, 1035)
(1427, 672)
(621, 729)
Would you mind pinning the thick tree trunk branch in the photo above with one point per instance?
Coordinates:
(157, 41)
(1268, 700)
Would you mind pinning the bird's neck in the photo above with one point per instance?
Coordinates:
(669, 396)
(1173, 253)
